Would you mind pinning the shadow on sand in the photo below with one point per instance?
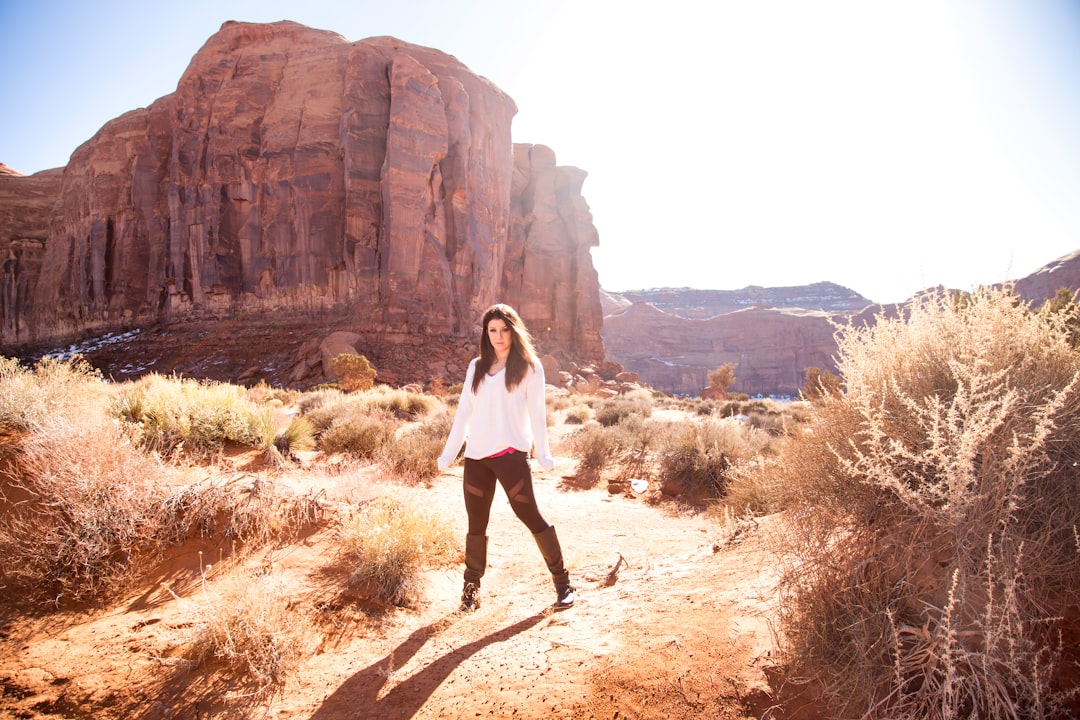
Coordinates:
(358, 697)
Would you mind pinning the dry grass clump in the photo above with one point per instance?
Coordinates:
(80, 506)
(83, 508)
(619, 451)
(359, 434)
(175, 415)
(244, 622)
(398, 402)
(414, 452)
(297, 436)
(610, 411)
(32, 396)
(577, 414)
(934, 551)
(388, 542)
(696, 458)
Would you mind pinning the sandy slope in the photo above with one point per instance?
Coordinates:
(681, 632)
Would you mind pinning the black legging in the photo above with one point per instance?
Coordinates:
(512, 471)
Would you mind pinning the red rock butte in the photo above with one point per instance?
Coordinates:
(293, 170)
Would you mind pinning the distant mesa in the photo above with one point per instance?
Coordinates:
(673, 337)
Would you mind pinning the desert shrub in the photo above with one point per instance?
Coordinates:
(82, 509)
(388, 542)
(611, 411)
(244, 622)
(819, 384)
(774, 423)
(354, 372)
(258, 513)
(312, 401)
(577, 414)
(297, 436)
(32, 396)
(174, 414)
(359, 434)
(414, 452)
(619, 451)
(403, 404)
(705, 407)
(695, 458)
(934, 557)
(593, 446)
(261, 393)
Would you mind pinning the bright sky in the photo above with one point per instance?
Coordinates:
(885, 145)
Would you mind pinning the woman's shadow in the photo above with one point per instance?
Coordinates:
(358, 697)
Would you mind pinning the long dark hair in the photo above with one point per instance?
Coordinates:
(522, 354)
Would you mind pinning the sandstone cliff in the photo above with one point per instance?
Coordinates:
(293, 170)
(770, 347)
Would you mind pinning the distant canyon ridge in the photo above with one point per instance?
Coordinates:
(300, 195)
(673, 337)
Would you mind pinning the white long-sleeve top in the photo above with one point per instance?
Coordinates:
(493, 419)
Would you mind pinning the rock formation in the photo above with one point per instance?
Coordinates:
(292, 170)
(770, 347)
(1044, 283)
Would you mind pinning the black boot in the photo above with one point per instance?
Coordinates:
(475, 565)
(548, 542)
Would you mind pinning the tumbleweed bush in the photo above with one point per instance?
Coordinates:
(934, 553)
(80, 506)
(243, 622)
(390, 540)
(696, 458)
(414, 452)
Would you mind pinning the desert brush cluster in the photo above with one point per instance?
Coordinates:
(927, 498)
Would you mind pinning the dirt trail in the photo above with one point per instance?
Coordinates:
(681, 632)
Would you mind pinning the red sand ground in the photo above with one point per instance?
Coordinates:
(682, 631)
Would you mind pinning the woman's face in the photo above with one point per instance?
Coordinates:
(500, 336)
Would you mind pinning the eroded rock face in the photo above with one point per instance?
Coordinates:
(548, 275)
(295, 170)
(1044, 283)
(771, 348)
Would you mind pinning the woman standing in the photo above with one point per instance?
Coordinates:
(500, 417)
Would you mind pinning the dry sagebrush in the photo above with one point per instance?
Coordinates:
(935, 508)
(83, 508)
(387, 543)
(243, 623)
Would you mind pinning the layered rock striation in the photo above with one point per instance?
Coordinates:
(293, 170)
(770, 347)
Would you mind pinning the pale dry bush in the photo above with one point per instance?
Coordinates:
(243, 622)
(610, 411)
(933, 551)
(398, 402)
(83, 508)
(414, 453)
(390, 540)
(358, 434)
(86, 511)
(618, 451)
(696, 458)
(577, 414)
(177, 416)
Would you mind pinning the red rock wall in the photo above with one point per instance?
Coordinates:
(294, 169)
(770, 348)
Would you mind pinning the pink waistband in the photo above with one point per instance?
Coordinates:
(506, 451)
